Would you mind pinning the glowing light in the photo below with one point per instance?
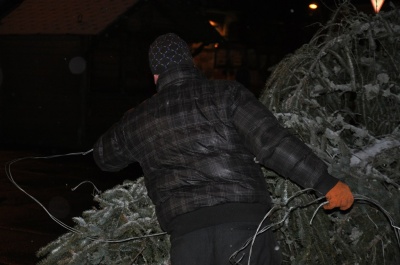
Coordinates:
(313, 6)
(217, 26)
(377, 5)
(213, 23)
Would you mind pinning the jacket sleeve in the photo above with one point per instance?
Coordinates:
(110, 152)
(274, 146)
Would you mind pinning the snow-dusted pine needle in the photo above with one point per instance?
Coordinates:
(55, 219)
(357, 199)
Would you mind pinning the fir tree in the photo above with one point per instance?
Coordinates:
(340, 94)
(124, 230)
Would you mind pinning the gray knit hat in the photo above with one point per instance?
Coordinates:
(168, 50)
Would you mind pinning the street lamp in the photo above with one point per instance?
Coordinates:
(313, 6)
(377, 5)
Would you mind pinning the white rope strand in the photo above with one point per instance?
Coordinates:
(55, 219)
(10, 177)
(357, 199)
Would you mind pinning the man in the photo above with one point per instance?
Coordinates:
(198, 141)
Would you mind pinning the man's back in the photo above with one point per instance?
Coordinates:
(187, 144)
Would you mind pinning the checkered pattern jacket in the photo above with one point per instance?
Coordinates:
(198, 142)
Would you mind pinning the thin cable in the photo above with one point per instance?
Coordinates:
(59, 222)
(363, 199)
(315, 212)
(87, 181)
(10, 177)
(357, 198)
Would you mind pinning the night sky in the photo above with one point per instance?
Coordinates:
(273, 27)
(262, 21)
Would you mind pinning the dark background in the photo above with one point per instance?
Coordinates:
(43, 104)
(34, 120)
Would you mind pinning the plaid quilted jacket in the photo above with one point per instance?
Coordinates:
(198, 141)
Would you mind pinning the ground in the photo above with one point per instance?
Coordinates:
(25, 226)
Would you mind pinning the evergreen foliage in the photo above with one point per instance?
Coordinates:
(109, 235)
(341, 95)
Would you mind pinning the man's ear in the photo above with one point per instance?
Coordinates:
(155, 79)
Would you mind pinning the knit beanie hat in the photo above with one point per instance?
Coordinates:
(168, 50)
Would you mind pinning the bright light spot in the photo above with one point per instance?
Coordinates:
(213, 23)
(313, 6)
(377, 5)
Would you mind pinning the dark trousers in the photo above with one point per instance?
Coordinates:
(215, 245)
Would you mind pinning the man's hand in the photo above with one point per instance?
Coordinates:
(339, 196)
